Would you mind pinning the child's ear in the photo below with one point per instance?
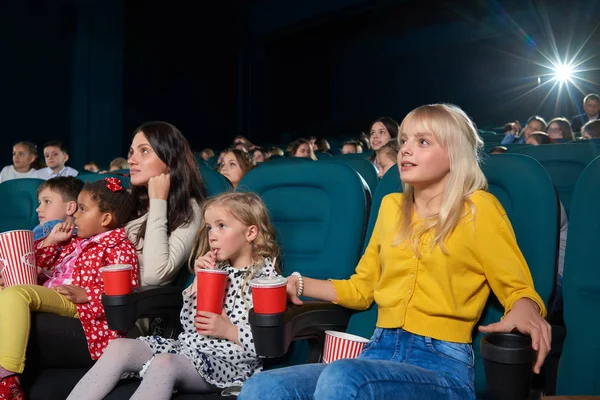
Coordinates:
(71, 208)
(66, 156)
(107, 219)
(251, 233)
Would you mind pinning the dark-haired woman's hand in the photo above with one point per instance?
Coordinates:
(158, 186)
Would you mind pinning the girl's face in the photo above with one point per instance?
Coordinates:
(22, 158)
(258, 157)
(143, 161)
(231, 169)
(385, 162)
(422, 161)
(302, 151)
(554, 131)
(379, 136)
(89, 219)
(231, 239)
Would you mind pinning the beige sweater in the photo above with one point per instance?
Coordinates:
(161, 255)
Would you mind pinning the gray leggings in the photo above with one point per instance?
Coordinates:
(166, 372)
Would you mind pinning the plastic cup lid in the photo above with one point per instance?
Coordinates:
(268, 282)
(211, 271)
(116, 267)
(347, 336)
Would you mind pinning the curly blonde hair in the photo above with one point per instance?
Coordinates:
(249, 209)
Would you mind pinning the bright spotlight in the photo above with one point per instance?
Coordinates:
(563, 72)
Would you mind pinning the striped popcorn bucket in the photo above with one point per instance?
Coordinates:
(340, 345)
(17, 259)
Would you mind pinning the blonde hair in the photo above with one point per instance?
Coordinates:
(455, 132)
(249, 209)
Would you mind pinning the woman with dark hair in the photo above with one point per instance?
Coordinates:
(302, 148)
(169, 190)
(382, 130)
(560, 128)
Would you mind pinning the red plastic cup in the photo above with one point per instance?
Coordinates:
(269, 295)
(117, 279)
(340, 345)
(210, 290)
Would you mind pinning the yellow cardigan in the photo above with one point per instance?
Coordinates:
(440, 295)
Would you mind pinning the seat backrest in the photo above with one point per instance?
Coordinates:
(526, 192)
(519, 183)
(321, 156)
(364, 168)
(579, 368)
(93, 177)
(212, 161)
(362, 323)
(564, 163)
(319, 211)
(18, 201)
(214, 181)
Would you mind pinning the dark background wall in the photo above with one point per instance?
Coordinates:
(88, 72)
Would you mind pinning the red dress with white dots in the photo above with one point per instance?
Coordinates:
(93, 253)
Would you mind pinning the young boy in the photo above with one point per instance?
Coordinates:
(58, 203)
(55, 154)
(591, 108)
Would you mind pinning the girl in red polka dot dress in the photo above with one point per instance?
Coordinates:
(69, 270)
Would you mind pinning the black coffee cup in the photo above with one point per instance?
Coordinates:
(508, 362)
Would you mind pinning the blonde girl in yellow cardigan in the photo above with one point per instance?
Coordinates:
(436, 253)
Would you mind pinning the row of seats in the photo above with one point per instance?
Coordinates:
(324, 215)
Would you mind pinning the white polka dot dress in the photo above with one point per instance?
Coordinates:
(219, 361)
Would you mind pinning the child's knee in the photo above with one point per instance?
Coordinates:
(119, 346)
(163, 362)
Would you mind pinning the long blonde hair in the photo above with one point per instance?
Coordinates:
(249, 209)
(455, 132)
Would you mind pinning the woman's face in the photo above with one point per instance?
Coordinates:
(302, 151)
(379, 136)
(554, 131)
(144, 162)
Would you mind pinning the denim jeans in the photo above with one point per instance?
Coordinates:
(395, 364)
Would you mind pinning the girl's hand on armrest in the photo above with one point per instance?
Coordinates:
(525, 317)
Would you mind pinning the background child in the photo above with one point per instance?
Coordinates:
(24, 156)
(57, 198)
(118, 164)
(56, 155)
(236, 163)
(238, 238)
(351, 147)
(386, 157)
(75, 284)
(91, 167)
(430, 268)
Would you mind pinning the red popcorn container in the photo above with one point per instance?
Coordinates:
(340, 345)
(17, 258)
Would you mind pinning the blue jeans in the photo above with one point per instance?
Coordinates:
(395, 364)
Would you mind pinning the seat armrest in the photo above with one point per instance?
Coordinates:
(147, 301)
(273, 333)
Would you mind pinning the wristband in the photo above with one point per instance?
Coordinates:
(300, 283)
